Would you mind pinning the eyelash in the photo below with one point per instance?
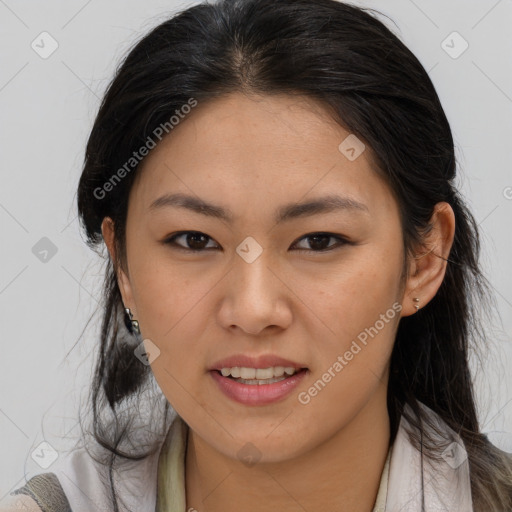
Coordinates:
(341, 241)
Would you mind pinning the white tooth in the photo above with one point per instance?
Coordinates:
(278, 371)
(247, 373)
(262, 382)
(267, 373)
(259, 374)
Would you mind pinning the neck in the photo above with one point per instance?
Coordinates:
(343, 473)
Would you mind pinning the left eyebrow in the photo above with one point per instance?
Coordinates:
(285, 213)
(316, 206)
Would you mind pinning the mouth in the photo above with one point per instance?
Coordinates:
(257, 381)
(258, 392)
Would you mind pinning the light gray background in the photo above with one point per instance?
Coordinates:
(47, 108)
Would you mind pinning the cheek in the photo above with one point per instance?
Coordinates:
(170, 316)
(353, 296)
(165, 292)
(175, 312)
(359, 311)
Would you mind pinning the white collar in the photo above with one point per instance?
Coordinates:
(446, 483)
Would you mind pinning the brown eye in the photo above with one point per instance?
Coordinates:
(319, 242)
(194, 241)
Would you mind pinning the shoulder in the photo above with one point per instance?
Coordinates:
(19, 503)
(42, 493)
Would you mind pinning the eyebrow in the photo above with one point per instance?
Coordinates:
(287, 212)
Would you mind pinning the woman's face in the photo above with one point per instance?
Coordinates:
(260, 284)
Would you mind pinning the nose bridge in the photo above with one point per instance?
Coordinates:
(252, 278)
(254, 298)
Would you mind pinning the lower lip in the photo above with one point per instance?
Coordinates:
(257, 394)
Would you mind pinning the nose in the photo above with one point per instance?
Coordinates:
(255, 298)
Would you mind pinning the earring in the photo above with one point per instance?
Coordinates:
(416, 305)
(134, 323)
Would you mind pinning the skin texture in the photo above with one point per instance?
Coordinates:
(252, 155)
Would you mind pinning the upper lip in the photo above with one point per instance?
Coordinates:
(264, 361)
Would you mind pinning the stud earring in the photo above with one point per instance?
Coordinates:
(416, 305)
(133, 323)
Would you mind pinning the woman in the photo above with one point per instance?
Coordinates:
(292, 374)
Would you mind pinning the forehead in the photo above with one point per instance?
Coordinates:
(259, 150)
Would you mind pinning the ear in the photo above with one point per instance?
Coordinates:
(123, 281)
(427, 268)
